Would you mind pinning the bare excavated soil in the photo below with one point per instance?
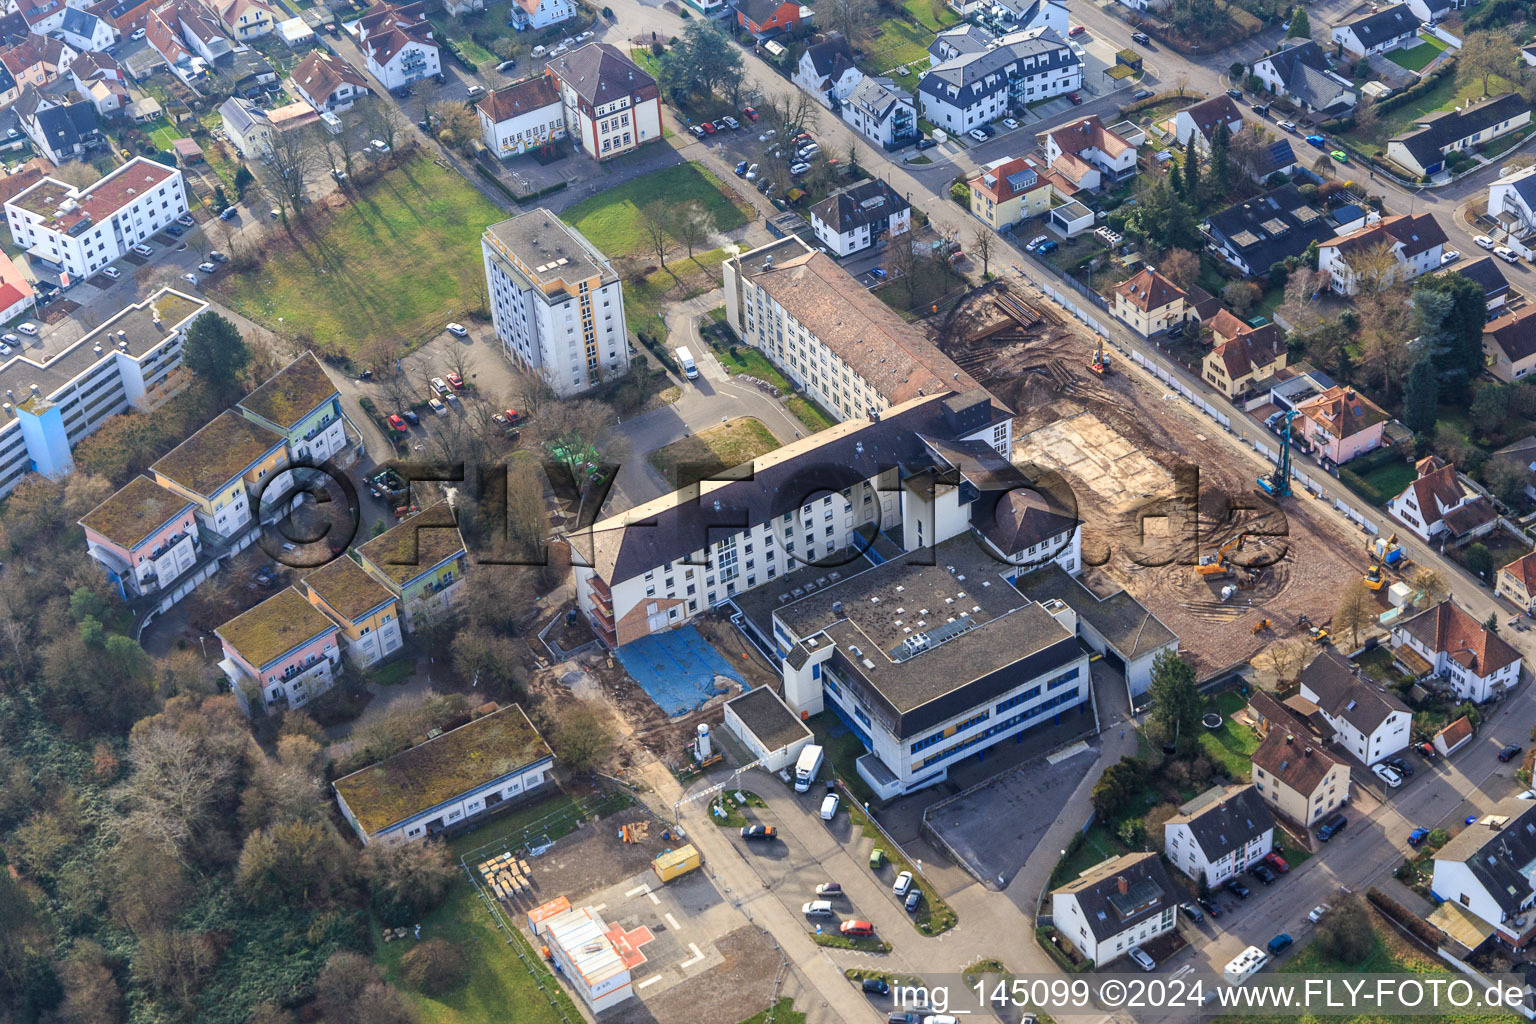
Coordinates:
(1156, 487)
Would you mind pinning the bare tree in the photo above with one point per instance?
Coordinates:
(692, 224)
(791, 113)
(531, 394)
(981, 246)
(850, 17)
(454, 125)
(1289, 657)
(77, 174)
(346, 145)
(1248, 150)
(1430, 584)
(1366, 115)
(1356, 611)
(1180, 266)
(1486, 54)
(1181, 83)
(296, 156)
(1374, 267)
(384, 120)
(1386, 350)
(901, 261)
(655, 218)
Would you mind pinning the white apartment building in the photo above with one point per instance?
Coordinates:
(523, 116)
(1416, 242)
(556, 302)
(611, 106)
(1367, 721)
(79, 231)
(1114, 905)
(977, 88)
(1485, 870)
(829, 336)
(126, 363)
(862, 215)
(1219, 834)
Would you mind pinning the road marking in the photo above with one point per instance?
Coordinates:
(653, 897)
(671, 920)
(599, 908)
(637, 890)
(653, 979)
(1062, 755)
(697, 956)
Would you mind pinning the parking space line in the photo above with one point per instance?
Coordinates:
(697, 956)
(653, 897)
(637, 890)
(671, 920)
(653, 979)
(599, 908)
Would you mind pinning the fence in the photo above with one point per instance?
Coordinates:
(1454, 42)
(1077, 286)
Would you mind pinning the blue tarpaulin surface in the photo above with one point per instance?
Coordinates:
(676, 669)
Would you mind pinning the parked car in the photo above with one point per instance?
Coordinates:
(770, 133)
(1509, 753)
(904, 1017)
(1263, 872)
(1339, 155)
(1426, 750)
(437, 406)
(1075, 97)
(1076, 30)
(751, 113)
(1209, 905)
(458, 330)
(1484, 242)
(1316, 141)
(798, 168)
(709, 127)
(731, 122)
(1141, 959)
(1276, 862)
(411, 418)
(208, 268)
(977, 134)
(5, 349)
(1142, 94)
(1387, 775)
(1140, 37)
(696, 130)
(144, 250)
(113, 273)
(1036, 241)
(857, 929)
(1236, 887)
(752, 173)
(759, 832)
(1449, 256)
(1506, 254)
(1331, 827)
(829, 807)
(1317, 913)
(817, 908)
(396, 422)
(875, 987)
(741, 168)
(174, 230)
(914, 899)
(877, 272)
(1279, 942)
(926, 143)
(1236, 94)
(230, 213)
(506, 65)
(1010, 123)
(439, 385)
(456, 382)
(1417, 836)
(189, 278)
(830, 890)
(1048, 246)
(185, 220)
(1286, 126)
(902, 884)
(1191, 911)
(1403, 767)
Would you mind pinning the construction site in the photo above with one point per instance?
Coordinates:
(1171, 508)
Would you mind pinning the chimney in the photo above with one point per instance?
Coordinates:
(1307, 752)
(1122, 884)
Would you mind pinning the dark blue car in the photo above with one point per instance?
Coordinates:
(1279, 942)
(1049, 245)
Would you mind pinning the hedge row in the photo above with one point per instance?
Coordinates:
(1418, 89)
(1367, 490)
(1043, 936)
(453, 51)
(658, 350)
(1405, 918)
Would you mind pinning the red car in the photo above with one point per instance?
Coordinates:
(1277, 862)
(1077, 30)
(750, 112)
(1427, 749)
(456, 382)
(1076, 98)
(397, 423)
(857, 929)
(709, 127)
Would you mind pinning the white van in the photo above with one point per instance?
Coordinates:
(685, 360)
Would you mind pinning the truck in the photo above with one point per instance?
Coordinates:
(685, 360)
(806, 767)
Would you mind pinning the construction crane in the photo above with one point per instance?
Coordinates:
(1278, 483)
(1100, 365)
(1217, 564)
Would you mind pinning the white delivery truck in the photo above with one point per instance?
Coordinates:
(685, 360)
(807, 767)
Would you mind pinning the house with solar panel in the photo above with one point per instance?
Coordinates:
(1257, 233)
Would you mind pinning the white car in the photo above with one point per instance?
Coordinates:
(439, 385)
(458, 330)
(379, 145)
(113, 273)
(770, 133)
(1286, 126)
(1387, 774)
(752, 173)
(902, 884)
(208, 268)
(438, 407)
(799, 168)
(1010, 123)
(829, 807)
(817, 908)
(1506, 254)
(1036, 241)
(1317, 913)
(138, 34)
(1484, 241)
(144, 250)
(585, 36)
(728, 119)
(977, 134)
(1449, 256)
(189, 278)
(29, 328)
(1141, 958)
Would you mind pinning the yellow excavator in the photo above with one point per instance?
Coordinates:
(1374, 580)
(1217, 564)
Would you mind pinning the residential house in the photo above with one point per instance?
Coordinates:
(882, 112)
(961, 40)
(1387, 29)
(611, 106)
(84, 31)
(101, 80)
(827, 71)
(1301, 73)
(1242, 355)
(1004, 17)
(421, 562)
(8, 88)
(557, 304)
(1150, 303)
(397, 43)
(145, 536)
(164, 36)
(860, 216)
(61, 132)
(367, 615)
(540, 14)
(1219, 834)
(1423, 150)
(525, 115)
(1485, 872)
(1273, 156)
(1257, 233)
(1293, 770)
(1119, 903)
(248, 127)
(1339, 424)
(768, 18)
(300, 402)
(327, 82)
(1088, 154)
(977, 88)
(201, 30)
(1528, 54)
(1438, 504)
(281, 653)
(1476, 662)
(1512, 202)
(1432, 11)
(1367, 720)
(1202, 120)
(1485, 271)
(246, 72)
(1516, 582)
(1521, 457)
(17, 296)
(447, 780)
(1415, 242)
(35, 61)
(42, 16)
(246, 19)
(1009, 191)
(226, 469)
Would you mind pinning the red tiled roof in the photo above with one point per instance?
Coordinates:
(10, 295)
(1341, 411)
(1002, 191)
(519, 98)
(1446, 628)
(1457, 733)
(1086, 133)
(1436, 489)
(1149, 290)
(1418, 233)
(1524, 570)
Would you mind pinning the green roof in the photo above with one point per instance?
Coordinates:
(273, 628)
(344, 586)
(292, 393)
(442, 768)
(218, 453)
(137, 510)
(419, 542)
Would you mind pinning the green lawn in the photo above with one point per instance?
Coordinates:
(781, 1012)
(904, 36)
(466, 44)
(611, 219)
(497, 979)
(680, 280)
(1391, 479)
(1444, 96)
(1417, 58)
(162, 133)
(709, 452)
(401, 259)
(748, 360)
(1232, 745)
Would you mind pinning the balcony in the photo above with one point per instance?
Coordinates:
(601, 590)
